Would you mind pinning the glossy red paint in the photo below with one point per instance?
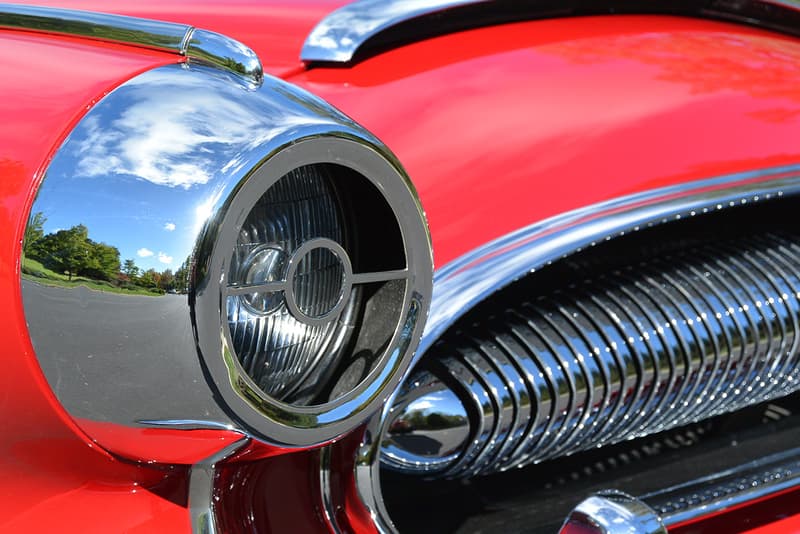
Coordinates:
(54, 477)
(273, 495)
(777, 514)
(504, 126)
(276, 29)
(778, 525)
(162, 445)
(92, 508)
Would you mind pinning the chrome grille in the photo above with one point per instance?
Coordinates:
(666, 342)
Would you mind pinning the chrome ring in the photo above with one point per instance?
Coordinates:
(347, 280)
(266, 417)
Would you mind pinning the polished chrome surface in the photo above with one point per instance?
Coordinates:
(367, 471)
(349, 29)
(722, 491)
(220, 51)
(198, 45)
(201, 490)
(613, 512)
(326, 505)
(469, 279)
(429, 426)
(338, 36)
(473, 277)
(165, 169)
(666, 342)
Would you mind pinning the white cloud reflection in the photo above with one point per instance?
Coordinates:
(182, 130)
(168, 146)
(350, 25)
(169, 140)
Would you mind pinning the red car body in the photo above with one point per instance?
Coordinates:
(499, 127)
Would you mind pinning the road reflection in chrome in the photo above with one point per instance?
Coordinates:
(121, 281)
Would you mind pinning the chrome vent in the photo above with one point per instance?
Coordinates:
(671, 340)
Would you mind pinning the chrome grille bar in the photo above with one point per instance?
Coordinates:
(666, 342)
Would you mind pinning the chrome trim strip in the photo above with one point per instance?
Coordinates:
(469, 279)
(464, 282)
(345, 32)
(158, 35)
(338, 36)
(613, 512)
(325, 489)
(718, 492)
(187, 424)
(197, 45)
(201, 489)
(691, 501)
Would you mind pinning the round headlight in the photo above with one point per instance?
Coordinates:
(315, 275)
(283, 250)
(292, 328)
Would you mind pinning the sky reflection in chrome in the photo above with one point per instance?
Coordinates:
(146, 166)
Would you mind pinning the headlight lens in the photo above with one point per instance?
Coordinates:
(279, 350)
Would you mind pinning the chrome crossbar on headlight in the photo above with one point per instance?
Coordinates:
(663, 343)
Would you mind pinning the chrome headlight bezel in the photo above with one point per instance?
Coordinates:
(280, 421)
(173, 370)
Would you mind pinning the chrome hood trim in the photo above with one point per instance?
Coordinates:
(348, 31)
(200, 46)
(469, 279)
(339, 36)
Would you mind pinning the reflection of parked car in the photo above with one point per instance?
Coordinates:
(609, 341)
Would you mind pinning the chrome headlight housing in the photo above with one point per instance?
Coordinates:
(306, 252)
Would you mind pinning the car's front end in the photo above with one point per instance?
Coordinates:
(469, 266)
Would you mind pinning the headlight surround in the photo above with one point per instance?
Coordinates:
(335, 307)
(159, 368)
